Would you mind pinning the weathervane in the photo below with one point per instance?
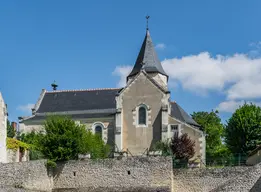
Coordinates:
(54, 85)
(147, 17)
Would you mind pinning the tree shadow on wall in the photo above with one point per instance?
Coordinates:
(257, 186)
(56, 171)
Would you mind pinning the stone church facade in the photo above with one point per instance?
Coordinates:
(132, 118)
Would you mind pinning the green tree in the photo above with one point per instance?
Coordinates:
(214, 129)
(33, 139)
(63, 139)
(243, 130)
(10, 130)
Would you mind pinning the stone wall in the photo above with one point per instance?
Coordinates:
(229, 179)
(30, 175)
(125, 174)
(128, 174)
(14, 156)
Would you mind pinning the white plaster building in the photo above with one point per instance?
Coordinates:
(3, 131)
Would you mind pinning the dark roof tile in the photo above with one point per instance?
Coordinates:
(147, 59)
(180, 114)
(77, 100)
(74, 116)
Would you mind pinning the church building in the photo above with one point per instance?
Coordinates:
(132, 118)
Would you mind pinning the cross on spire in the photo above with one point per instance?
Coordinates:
(147, 18)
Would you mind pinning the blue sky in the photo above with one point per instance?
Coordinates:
(209, 48)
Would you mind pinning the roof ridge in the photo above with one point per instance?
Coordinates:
(74, 90)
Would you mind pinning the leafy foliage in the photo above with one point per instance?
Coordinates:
(163, 146)
(243, 130)
(64, 140)
(14, 144)
(51, 164)
(214, 129)
(10, 130)
(33, 139)
(182, 147)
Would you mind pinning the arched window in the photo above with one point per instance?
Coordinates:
(142, 116)
(98, 130)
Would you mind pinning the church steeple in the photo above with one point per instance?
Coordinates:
(147, 59)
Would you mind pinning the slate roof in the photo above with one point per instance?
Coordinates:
(92, 103)
(180, 114)
(78, 100)
(73, 116)
(147, 59)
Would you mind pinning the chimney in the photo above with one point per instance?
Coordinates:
(14, 126)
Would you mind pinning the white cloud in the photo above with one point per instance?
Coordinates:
(205, 73)
(237, 76)
(26, 108)
(123, 72)
(255, 49)
(160, 46)
(231, 105)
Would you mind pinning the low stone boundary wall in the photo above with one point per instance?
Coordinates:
(146, 174)
(29, 175)
(128, 174)
(228, 179)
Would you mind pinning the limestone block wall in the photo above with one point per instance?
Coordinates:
(14, 156)
(29, 175)
(127, 173)
(229, 179)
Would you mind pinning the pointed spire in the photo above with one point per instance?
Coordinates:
(147, 58)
